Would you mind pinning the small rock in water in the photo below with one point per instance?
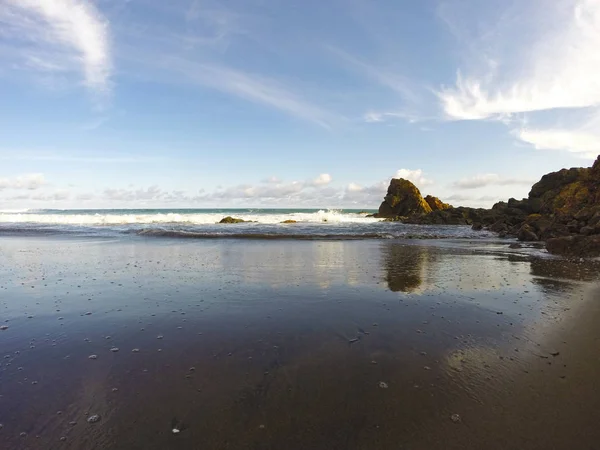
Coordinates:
(175, 430)
(114, 349)
(93, 418)
(4, 327)
(383, 385)
(93, 357)
(135, 350)
(455, 418)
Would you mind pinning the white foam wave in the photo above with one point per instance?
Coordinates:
(13, 211)
(65, 218)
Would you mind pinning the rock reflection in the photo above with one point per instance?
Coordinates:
(407, 266)
(558, 275)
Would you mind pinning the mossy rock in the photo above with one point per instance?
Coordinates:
(403, 199)
(436, 204)
(230, 219)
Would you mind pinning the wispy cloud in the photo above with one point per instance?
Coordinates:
(489, 179)
(30, 182)
(581, 143)
(548, 61)
(275, 188)
(556, 69)
(396, 82)
(57, 35)
(252, 87)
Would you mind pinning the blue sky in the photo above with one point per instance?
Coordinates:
(203, 103)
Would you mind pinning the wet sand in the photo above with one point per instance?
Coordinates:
(295, 345)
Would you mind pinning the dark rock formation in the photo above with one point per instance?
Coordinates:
(403, 199)
(563, 209)
(289, 221)
(230, 219)
(436, 204)
(575, 246)
(526, 233)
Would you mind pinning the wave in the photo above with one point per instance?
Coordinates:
(196, 218)
(261, 236)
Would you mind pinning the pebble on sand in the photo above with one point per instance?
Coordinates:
(93, 357)
(93, 418)
(135, 350)
(455, 418)
(383, 385)
(175, 430)
(114, 349)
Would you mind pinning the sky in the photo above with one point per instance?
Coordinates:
(296, 103)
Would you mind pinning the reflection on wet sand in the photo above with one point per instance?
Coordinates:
(408, 266)
(294, 345)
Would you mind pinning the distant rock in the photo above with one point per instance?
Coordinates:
(436, 204)
(289, 221)
(230, 219)
(403, 199)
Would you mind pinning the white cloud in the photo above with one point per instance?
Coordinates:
(489, 179)
(322, 180)
(31, 182)
(353, 187)
(556, 69)
(383, 116)
(584, 144)
(415, 176)
(55, 35)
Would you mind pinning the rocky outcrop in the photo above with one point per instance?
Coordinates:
(563, 209)
(436, 204)
(403, 199)
(575, 246)
(230, 219)
(289, 221)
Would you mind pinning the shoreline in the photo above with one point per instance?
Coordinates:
(286, 344)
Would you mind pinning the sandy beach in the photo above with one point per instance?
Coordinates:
(295, 345)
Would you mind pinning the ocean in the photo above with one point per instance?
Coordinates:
(312, 224)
